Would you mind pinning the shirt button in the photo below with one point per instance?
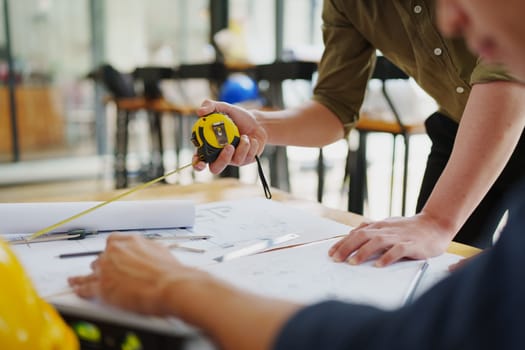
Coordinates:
(417, 9)
(438, 51)
(460, 90)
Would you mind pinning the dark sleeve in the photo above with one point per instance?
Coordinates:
(481, 306)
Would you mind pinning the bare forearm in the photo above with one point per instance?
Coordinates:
(311, 125)
(233, 318)
(489, 131)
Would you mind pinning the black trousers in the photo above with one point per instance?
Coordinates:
(442, 132)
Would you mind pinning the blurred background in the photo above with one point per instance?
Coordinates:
(64, 66)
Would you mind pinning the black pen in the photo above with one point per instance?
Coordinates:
(79, 254)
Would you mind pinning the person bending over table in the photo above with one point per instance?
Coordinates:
(477, 134)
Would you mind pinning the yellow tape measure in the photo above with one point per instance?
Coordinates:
(210, 134)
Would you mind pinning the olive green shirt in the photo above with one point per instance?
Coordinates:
(406, 33)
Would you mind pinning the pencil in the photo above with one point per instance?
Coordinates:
(409, 297)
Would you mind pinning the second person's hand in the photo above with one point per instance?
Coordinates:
(252, 142)
(135, 273)
(392, 239)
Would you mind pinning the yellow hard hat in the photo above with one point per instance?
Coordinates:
(26, 320)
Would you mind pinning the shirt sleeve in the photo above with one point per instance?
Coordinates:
(487, 72)
(345, 66)
(478, 307)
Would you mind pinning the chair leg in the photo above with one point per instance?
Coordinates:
(348, 161)
(121, 149)
(357, 167)
(179, 134)
(279, 174)
(405, 173)
(157, 145)
(278, 158)
(320, 176)
(392, 173)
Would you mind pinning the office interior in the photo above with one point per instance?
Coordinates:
(58, 122)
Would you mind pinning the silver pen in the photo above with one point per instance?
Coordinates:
(409, 297)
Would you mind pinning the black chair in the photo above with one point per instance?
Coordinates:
(150, 79)
(122, 88)
(122, 93)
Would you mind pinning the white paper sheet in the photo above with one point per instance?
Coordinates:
(307, 274)
(231, 225)
(304, 274)
(120, 215)
(239, 223)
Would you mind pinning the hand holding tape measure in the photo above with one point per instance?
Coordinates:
(210, 134)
